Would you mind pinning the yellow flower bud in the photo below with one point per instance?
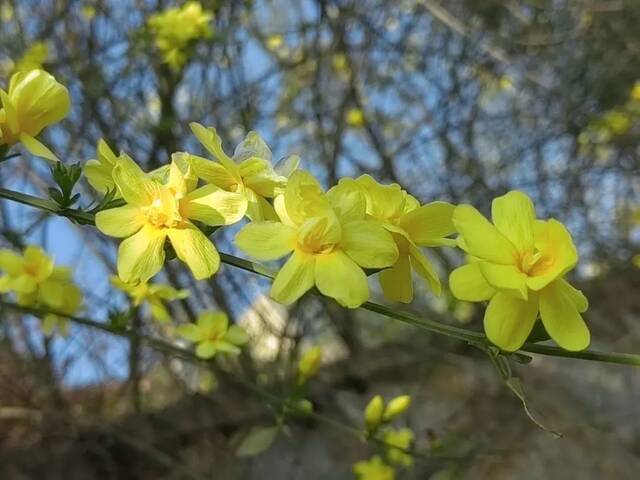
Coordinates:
(373, 412)
(396, 407)
(309, 364)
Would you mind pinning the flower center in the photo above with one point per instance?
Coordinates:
(533, 263)
(164, 211)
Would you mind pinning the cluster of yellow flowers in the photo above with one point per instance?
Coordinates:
(332, 240)
(37, 282)
(175, 28)
(394, 442)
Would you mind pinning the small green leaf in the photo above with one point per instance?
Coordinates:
(257, 441)
(515, 385)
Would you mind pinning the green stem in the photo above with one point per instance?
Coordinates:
(471, 337)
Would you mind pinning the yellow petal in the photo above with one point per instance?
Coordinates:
(196, 250)
(480, 238)
(141, 256)
(213, 172)
(339, 277)
(11, 117)
(11, 262)
(318, 233)
(266, 240)
(37, 148)
(561, 318)
(39, 100)
(383, 201)
(369, 244)
(254, 207)
(514, 215)
(134, 185)
(424, 268)
(467, 283)
(396, 282)
(294, 279)
(508, 320)
(558, 253)
(210, 140)
(99, 175)
(181, 177)
(258, 174)
(348, 200)
(304, 197)
(577, 297)
(427, 224)
(120, 222)
(212, 205)
(505, 278)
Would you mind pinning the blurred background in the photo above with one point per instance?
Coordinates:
(458, 100)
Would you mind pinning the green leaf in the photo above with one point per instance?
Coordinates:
(257, 441)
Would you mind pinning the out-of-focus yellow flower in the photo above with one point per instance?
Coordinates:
(412, 226)
(88, 12)
(154, 295)
(157, 210)
(309, 364)
(249, 172)
(518, 263)
(38, 283)
(33, 58)
(34, 101)
(398, 441)
(274, 42)
(6, 12)
(355, 117)
(175, 28)
(373, 469)
(213, 334)
(330, 239)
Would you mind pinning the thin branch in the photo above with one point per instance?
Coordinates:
(474, 338)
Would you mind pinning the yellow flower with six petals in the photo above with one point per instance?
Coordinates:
(412, 226)
(156, 210)
(213, 334)
(329, 238)
(518, 263)
(38, 282)
(153, 294)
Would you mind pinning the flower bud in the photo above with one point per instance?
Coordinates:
(396, 407)
(373, 413)
(309, 364)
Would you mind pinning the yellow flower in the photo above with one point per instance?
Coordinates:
(355, 117)
(38, 283)
(412, 226)
(518, 263)
(154, 295)
(213, 334)
(34, 101)
(175, 28)
(33, 58)
(250, 171)
(156, 210)
(398, 441)
(373, 469)
(309, 364)
(330, 239)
